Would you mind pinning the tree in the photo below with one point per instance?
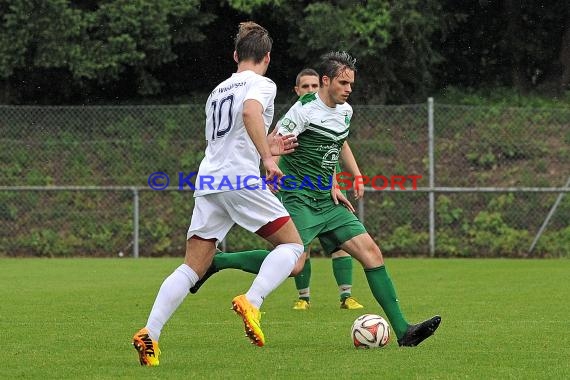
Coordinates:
(564, 57)
(58, 46)
(70, 51)
(390, 39)
(513, 43)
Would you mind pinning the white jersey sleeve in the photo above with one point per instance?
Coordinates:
(294, 122)
(264, 92)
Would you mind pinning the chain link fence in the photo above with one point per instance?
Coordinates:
(73, 180)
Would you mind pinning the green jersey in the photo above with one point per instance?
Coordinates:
(321, 132)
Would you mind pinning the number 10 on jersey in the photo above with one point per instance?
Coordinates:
(222, 116)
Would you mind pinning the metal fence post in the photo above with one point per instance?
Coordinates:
(135, 223)
(550, 214)
(431, 178)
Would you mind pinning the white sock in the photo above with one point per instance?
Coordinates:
(276, 267)
(345, 289)
(171, 294)
(304, 293)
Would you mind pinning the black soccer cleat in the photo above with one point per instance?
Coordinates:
(418, 333)
(209, 272)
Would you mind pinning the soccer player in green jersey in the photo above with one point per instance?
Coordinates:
(321, 123)
(307, 81)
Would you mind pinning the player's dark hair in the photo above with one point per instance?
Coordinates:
(335, 63)
(305, 72)
(252, 42)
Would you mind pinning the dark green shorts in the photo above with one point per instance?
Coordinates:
(332, 224)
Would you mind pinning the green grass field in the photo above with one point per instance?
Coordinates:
(74, 318)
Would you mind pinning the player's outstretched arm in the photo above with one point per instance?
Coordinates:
(349, 163)
(255, 127)
(337, 195)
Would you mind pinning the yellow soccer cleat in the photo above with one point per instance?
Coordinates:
(350, 303)
(301, 304)
(146, 347)
(251, 317)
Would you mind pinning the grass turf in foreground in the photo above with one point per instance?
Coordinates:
(74, 318)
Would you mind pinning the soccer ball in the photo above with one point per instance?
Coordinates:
(370, 331)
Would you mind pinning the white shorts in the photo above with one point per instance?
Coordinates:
(215, 214)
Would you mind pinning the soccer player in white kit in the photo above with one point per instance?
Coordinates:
(239, 112)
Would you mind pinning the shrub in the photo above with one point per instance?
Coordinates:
(406, 241)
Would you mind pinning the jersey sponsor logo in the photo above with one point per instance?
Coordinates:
(330, 158)
(327, 147)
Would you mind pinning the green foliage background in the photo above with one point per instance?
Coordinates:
(109, 51)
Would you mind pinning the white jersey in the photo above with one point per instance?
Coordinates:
(230, 153)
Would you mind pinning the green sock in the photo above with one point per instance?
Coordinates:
(247, 261)
(303, 279)
(384, 292)
(342, 270)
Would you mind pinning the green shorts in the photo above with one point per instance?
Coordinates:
(332, 224)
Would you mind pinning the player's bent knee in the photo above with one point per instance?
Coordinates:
(298, 249)
(289, 253)
(299, 265)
